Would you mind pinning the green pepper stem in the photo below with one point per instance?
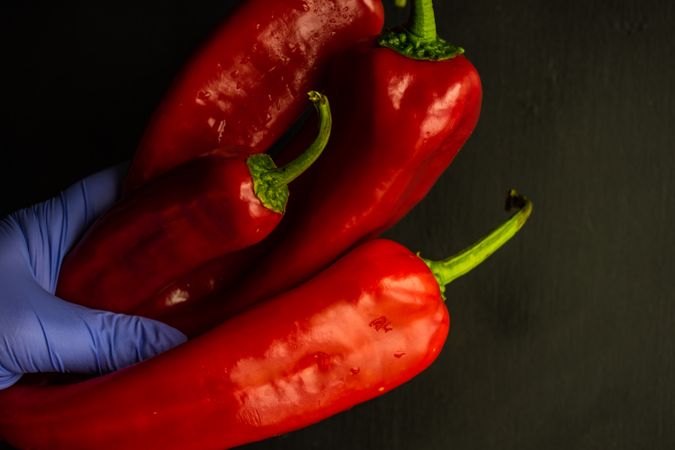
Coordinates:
(400, 3)
(457, 265)
(422, 22)
(270, 183)
(292, 170)
(418, 39)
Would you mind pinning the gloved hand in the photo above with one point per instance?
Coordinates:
(42, 333)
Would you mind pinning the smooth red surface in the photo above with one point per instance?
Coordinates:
(397, 125)
(247, 85)
(365, 325)
(211, 276)
(164, 230)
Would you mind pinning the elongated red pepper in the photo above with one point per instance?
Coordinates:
(245, 87)
(370, 322)
(209, 206)
(388, 150)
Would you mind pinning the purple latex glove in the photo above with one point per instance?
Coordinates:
(42, 333)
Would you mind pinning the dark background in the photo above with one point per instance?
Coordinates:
(564, 339)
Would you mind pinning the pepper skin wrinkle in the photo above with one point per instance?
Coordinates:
(246, 86)
(290, 362)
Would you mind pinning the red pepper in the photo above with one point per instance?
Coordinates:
(204, 208)
(399, 122)
(245, 87)
(370, 322)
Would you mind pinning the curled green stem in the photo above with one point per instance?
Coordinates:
(295, 168)
(457, 265)
(270, 182)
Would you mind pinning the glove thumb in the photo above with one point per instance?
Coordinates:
(57, 336)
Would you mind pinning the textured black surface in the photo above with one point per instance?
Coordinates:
(564, 339)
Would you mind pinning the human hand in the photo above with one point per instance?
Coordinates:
(43, 333)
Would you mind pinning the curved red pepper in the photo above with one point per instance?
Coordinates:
(245, 87)
(370, 322)
(389, 147)
(209, 206)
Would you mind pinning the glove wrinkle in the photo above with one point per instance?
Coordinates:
(35, 366)
(14, 362)
(7, 379)
(96, 359)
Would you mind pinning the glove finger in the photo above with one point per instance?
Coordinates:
(57, 336)
(7, 379)
(89, 198)
(52, 227)
(120, 340)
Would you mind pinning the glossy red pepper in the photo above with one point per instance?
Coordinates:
(399, 122)
(209, 206)
(370, 322)
(246, 86)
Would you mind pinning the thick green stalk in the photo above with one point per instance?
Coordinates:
(418, 39)
(270, 182)
(295, 168)
(457, 265)
(422, 22)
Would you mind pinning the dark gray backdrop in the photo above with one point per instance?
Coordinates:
(564, 339)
